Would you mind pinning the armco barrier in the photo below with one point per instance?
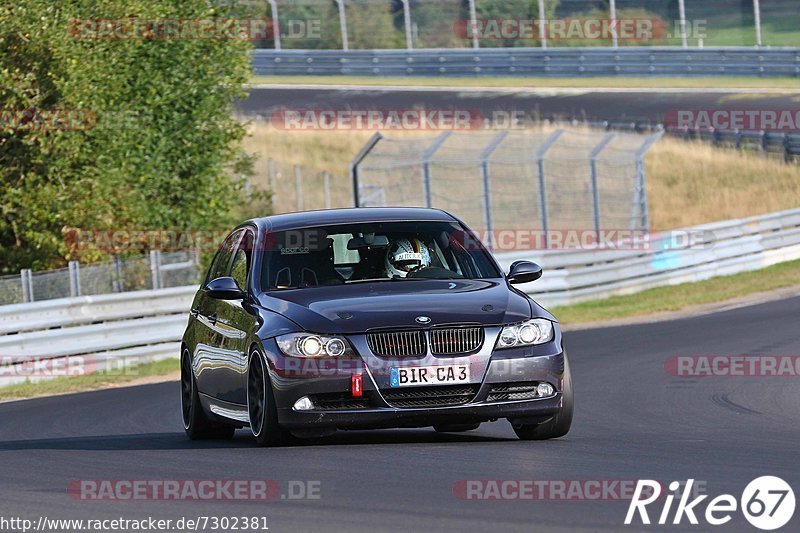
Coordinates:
(551, 62)
(37, 316)
(109, 331)
(147, 325)
(573, 276)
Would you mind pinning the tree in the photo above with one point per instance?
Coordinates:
(154, 145)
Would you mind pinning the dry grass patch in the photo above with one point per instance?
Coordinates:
(688, 183)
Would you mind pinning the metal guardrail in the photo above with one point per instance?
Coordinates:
(730, 247)
(143, 326)
(550, 62)
(107, 332)
(86, 310)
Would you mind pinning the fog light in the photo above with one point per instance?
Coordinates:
(303, 404)
(544, 390)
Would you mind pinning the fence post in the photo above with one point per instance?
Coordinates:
(542, 24)
(354, 164)
(326, 186)
(273, 184)
(74, 279)
(551, 140)
(407, 22)
(487, 191)
(298, 186)
(155, 268)
(614, 35)
(682, 11)
(276, 27)
(27, 285)
(757, 13)
(473, 24)
(343, 24)
(640, 194)
(118, 285)
(426, 170)
(595, 190)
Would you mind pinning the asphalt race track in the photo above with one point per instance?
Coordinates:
(644, 106)
(633, 421)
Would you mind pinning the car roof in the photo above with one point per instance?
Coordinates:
(327, 217)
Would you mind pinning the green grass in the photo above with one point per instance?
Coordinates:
(677, 297)
(787, 83)
(98, 380)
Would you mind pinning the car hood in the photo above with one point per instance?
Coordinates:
(357, 308)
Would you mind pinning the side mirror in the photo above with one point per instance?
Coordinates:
(524, 272)
(225, 289)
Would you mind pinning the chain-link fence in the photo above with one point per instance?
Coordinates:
(398, 24)
(297, 188)
(513, 180)
(154, 271)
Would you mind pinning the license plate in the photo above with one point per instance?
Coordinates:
(429, 375)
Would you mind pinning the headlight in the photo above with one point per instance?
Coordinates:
(536, 331)
(311, 345)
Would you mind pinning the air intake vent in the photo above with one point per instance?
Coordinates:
(454, 341)
(397, 343)
(445, 396)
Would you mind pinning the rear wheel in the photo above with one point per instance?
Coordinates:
(555, 427)
(261, 404)
(195, 421)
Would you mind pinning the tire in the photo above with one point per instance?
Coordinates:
(261, 404)
(195, 421)
(559, 425)
(455, 428)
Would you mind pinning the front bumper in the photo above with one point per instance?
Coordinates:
(547, 364)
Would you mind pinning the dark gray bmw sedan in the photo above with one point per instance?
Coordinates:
(307, 323)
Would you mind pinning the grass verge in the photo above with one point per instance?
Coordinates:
(678, 297)
(98, 380)
(731, 82)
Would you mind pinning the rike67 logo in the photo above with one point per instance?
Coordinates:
(767, 503)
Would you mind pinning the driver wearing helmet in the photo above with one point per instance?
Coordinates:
(406, 255)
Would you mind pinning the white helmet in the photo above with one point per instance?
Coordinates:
(404, 255)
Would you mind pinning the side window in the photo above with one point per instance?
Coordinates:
(220, 266)
(241, 260)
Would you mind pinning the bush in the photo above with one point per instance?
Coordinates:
(156, 144)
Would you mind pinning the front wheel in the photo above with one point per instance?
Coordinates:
(559, 425)
(261, 404)
(195, 421)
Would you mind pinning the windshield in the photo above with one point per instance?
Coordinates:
(373, 252)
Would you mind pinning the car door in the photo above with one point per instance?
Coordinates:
(210, 358)
(235, 320)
